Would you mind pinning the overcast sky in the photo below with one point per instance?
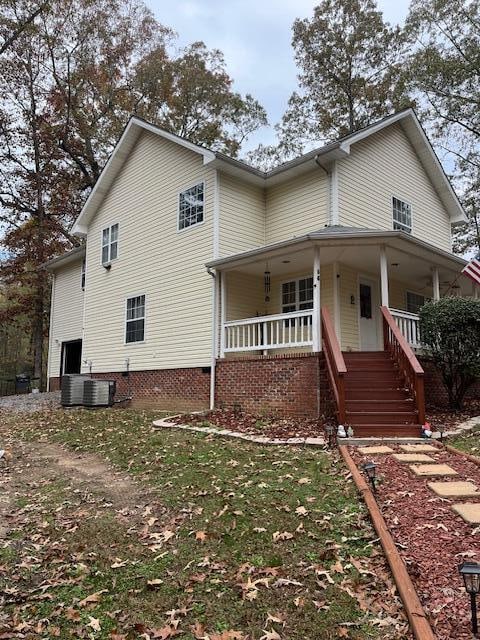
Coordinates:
(255, 37)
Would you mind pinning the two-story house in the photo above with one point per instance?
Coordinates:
(204, 281)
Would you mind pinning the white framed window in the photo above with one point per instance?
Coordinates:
(402, 215)
(109, 244)
(191, 204)
(135, 319)
(82, 274)
(414, 301)
(297, 295)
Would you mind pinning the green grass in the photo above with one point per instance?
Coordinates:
(240, 497)
(469, 441)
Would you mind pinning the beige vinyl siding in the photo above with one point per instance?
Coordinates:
(154, 259)
(297, 206)
(380, 167)
(245, 297)
(348, 312)
(242, 215)
(67, 312)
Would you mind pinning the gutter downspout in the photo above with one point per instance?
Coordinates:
(214, 336)
(333, 217)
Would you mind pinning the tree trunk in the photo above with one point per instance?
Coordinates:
(38, 334)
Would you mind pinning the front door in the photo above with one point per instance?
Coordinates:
(368, 313)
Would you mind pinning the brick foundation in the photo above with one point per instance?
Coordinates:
(435, 391)
(168, 389)
(288, 385)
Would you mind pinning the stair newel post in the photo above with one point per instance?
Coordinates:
(342, 413)
(420, 397)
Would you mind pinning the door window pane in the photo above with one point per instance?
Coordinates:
(365, 301)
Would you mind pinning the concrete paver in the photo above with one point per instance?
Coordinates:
(412, 457)
(426, 470)
(375, 450)
(470, 512)
(418, 448)
(454, 489)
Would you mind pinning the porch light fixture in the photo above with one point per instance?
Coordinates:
(470, 572)
(370, 470)
(266, 283)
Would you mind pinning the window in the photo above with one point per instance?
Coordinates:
(191, 203)
(109, 243)
(402, 216)
(414, 302)
(297, 295)
(135, 323)
(365, 301)
(83, 272)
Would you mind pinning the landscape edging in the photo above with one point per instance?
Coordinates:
(309, 442)
(413, 607)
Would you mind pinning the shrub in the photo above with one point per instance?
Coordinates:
(450, 330)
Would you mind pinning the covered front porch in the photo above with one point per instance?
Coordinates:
(268, 301)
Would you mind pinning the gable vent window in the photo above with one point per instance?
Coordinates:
(402, 216)
(191, 206)
(109, 244)
(135, 322)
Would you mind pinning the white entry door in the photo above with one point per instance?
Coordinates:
(368, 314)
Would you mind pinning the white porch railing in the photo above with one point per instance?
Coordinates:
(284, 330)
(409, 325)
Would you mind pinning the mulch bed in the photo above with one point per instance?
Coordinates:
(266, 426)
(431, 538)
(451, 420)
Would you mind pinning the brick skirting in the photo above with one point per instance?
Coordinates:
(288, 385)
(168, 389)
(435, 392)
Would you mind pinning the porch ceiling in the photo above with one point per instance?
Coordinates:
(408, 262)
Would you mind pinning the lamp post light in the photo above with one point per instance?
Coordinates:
(470, 572)
(441, 430)
(330, 431)
(370, 469)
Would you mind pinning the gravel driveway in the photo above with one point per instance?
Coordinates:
(30, 402)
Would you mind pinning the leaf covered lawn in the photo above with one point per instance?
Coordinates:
(195, 537)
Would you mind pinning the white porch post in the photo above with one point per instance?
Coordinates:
(384, 276)
(215, 335)
(316, 325)
(435, 284)
(336, 301)
(223, 311)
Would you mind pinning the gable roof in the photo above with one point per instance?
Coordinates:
(407, 119)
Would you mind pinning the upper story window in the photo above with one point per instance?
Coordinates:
(109, 243)
(402, 215)
(135, 320)
(414, 302)
(82, 273)
(191, 206)
(297, 295)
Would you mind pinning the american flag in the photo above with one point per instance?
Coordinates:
(472, 270)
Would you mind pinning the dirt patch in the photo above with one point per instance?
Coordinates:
(37, 463)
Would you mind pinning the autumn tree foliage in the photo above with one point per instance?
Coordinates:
(70, 77)
(348, 59)
(443, 72)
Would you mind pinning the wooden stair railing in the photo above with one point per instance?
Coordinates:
(336, 368)
(402, 354)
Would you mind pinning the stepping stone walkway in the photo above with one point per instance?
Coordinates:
(470, 512)
(375, 450)
(418, 448)
(426, 470)
(455, 489)
(412, 457)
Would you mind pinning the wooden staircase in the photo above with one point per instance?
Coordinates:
(377, 393)
(377, 403)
